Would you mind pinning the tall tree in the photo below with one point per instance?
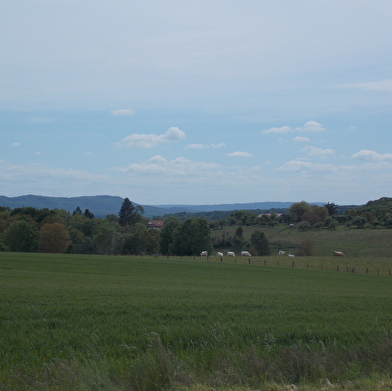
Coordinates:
(21, 236)
(129, 213)
(54, 238)
(332, 208)
(167, 235)
(192, 237)
(77, 211)
(260, 243)
(238, 238)
(298, 209)
(88, 214)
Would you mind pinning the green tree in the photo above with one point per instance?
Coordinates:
(238, 238)
(77, 211)
(129, 213)
(359, 221)
(332, 208)
(167, 235)
(21, 236)
(88, 214)
(108, 239)
(303, 225)
(192, 237)
(298, 209)
(54, 238)
(260, 243)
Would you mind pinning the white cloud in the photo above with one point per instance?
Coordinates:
(372, 155)
(382, 86)
(174, 133)
(180, 166)
(301, 166)
(283, 129)
(220, 145)
(239, 154)
(16, 144)
(202, 146)
(151, 140)
(301, 139)
(311, 126)
(313, 151)
(157, 159)
(122, 112)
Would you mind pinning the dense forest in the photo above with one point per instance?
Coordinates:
(30, 229)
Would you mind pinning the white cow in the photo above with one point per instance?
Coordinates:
(291, 255)
(219, 254)
(338, 254)
(204, 254)
(230, 254)
(245, 254)
(281, 253)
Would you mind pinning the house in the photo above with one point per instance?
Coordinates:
(157, 224)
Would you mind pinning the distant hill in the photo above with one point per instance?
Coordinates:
(103, 205)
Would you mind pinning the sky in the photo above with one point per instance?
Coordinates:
(197, 102)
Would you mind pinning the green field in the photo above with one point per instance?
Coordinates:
(355, 243)
(140, 323)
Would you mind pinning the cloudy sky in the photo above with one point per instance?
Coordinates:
(197, 102)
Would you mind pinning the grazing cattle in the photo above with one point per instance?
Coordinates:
(220, 255)
(204, 254)
(281, 253)
(230, 254)
(338, 254)
(245, 254)
(291, 255)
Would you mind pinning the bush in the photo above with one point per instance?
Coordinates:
(305, 248)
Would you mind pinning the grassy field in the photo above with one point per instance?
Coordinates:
(138, 323)
(354, 242)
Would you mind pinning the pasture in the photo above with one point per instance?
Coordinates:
(355, 243)
(143, 323)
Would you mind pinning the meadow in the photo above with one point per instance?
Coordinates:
(74, 322)
(369, 243)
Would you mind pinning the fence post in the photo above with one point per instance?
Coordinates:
(249, 261)
(292, 264)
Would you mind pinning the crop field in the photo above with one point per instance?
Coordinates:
(70, 322)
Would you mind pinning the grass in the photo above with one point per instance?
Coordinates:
(354, 242)
(140, 323)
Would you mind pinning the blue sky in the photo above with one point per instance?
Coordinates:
(197, 102)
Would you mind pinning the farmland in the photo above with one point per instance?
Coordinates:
(354, 242)
(106, 322)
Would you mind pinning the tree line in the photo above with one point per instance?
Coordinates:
(57, 231)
